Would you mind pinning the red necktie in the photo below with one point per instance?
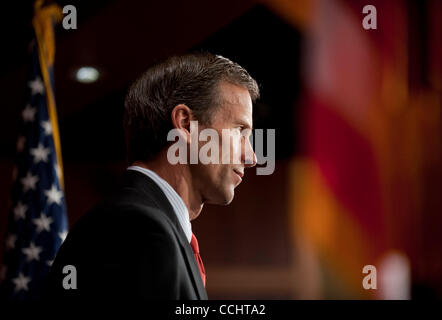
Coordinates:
(196, 252)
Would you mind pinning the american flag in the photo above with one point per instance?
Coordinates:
(37, 222)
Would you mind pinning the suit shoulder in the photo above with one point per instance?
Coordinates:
(122, 217)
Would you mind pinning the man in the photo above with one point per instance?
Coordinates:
(139, 243)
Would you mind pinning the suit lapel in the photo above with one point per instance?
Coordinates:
(152, 191)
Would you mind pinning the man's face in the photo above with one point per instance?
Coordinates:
(216, 182)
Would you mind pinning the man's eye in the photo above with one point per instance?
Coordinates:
(246, 132)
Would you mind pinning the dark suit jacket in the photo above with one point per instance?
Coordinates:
(129, 247)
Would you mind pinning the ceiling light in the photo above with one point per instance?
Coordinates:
(87, 74)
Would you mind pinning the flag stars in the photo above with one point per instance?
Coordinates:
(40, 153)
(28, 113)
(10, 241)
(20, 211)
(21, 282)
(43, 223)
(29, 182)
(47, 127)
(37, 86)
(54, 195)
(32, 252)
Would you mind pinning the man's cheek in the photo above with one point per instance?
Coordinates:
(226, 151)
(236, 150)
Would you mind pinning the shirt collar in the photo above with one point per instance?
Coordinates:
(175, 200)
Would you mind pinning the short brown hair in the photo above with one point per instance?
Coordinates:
(189, 79)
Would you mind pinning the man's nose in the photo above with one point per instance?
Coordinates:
(248, 156)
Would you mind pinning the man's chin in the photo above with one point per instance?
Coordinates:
(223, 200)
(229, 201)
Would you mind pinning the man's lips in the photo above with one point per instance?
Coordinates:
(239, 173)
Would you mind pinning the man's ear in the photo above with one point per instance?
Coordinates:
(181, 116)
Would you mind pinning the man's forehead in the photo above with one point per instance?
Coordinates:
(236, 111)
(233, 94)
(236, 97)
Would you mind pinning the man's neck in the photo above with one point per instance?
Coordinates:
(179, 178)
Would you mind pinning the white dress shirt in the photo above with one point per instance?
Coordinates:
(175, 200)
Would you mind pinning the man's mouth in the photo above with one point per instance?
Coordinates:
(239, 173)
